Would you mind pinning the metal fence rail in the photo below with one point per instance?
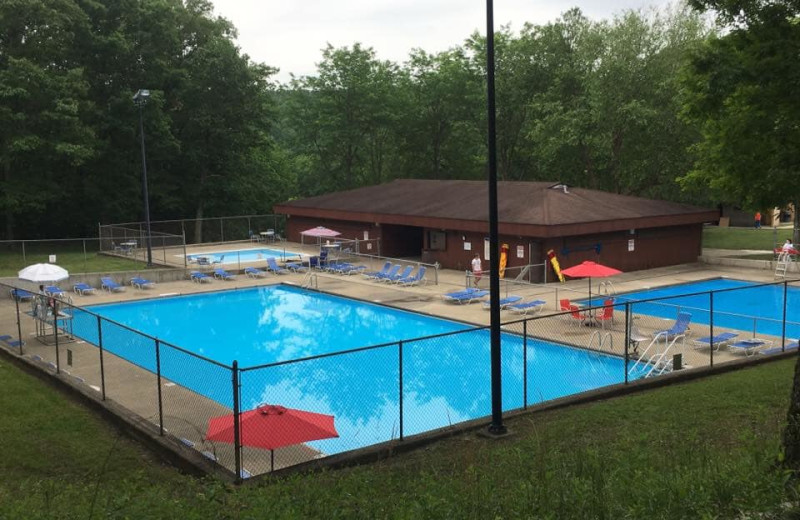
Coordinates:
(383, 392)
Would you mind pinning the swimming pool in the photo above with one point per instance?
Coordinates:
(752, 307)
(445, 379)
(235, 256)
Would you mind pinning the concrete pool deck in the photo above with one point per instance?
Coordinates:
(186, 413)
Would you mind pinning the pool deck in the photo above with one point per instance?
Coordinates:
(186, 413)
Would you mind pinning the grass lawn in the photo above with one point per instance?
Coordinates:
(744, 238)
(72, 260)
(705, 449)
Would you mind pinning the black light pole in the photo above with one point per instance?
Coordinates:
(140, 99)
(497, 427)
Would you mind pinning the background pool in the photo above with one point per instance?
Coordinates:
(751, 307)
(445, 379)
(244, 255)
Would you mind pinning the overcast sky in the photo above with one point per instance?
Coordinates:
(290, 34)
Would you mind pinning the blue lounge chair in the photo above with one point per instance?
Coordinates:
(349, 269)
(679, 328)
(218, 260)
(222, 274)
(715, 342)
(83, 289)
(459, 293)
(21, 295)
(321, 261)
(197, 276)
(384, 270)
(11, 342)
(202, 260)
(297, 267)
(504, 302)
(749, 346)
(142, 283)
(388, 274)
(777, 350)
(54, 291)
(413, 279)
(252, 272)
(532, 307)
(468, 297)
(405, 273)
(273, 266)
(108, 284)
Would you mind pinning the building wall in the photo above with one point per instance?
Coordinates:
(652, 247)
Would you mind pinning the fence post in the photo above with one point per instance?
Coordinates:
(525, 365)
(102, 366)
(158, 379)
(237, 441)
(183, 234)
(628, 319)
(19, 326)
(711, 326)
(55, 333)
(221, 230)
(24, 261)
(400, 371)
(783, 329)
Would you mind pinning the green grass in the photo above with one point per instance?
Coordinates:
(71, 260)
(744, 238)
(706, 449)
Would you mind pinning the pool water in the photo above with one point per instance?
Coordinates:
(445, 379)
(752, 308)
(244, 255)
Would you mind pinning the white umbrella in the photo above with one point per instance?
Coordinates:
(43, 273)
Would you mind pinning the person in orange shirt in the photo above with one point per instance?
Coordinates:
(757, 222)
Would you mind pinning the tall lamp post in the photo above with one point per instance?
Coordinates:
(496, 427)
(140, 99)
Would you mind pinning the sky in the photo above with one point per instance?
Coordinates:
(290, 35)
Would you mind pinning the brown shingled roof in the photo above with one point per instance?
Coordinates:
(529, 208)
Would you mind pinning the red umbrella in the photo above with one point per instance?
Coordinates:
(271, 427)
(589, 270)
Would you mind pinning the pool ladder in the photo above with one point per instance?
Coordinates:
(601, 339)
(659, 361)
(310, 280)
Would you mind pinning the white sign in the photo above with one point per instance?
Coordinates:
(366, 235)
(631, 246)
(467, 246)
(52, 259)
(486, 249)
(369, 246)
(520, 251)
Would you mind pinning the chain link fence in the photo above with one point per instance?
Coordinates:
(388, 392)
(201, 231)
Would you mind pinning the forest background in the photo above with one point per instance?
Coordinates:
(620, 105)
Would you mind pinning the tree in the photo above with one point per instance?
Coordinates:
(44, 135)
(343, 120)
(741, 94)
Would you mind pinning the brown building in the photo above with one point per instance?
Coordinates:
(447, 222)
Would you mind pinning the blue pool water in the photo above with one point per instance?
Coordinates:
(244, 255)
(445, 380)
(749, 308)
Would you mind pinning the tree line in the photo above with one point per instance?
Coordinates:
(622, 105)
